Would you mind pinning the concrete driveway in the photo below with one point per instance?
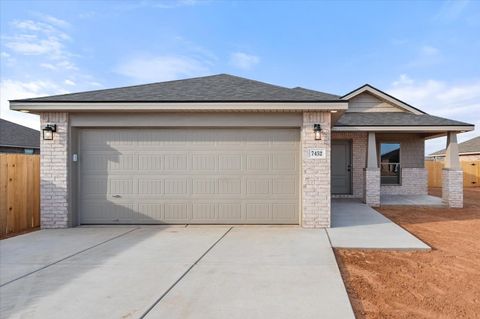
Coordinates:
(171, 272)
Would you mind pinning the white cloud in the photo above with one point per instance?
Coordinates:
(11, 90)
(162, 68)
(32, 45)
(69, 82)
(458, 101)
(55, 21)
(48, 66)
(243, 60)
(46, 39)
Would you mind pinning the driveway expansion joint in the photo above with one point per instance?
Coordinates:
(67, 257)
(184, 274)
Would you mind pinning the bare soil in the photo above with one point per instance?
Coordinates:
(442, 283)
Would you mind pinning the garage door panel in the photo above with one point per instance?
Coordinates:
(258, 162)
(230, 162)
(177, 186)
(215, 176)
(258, 186)
(177, 162)
(284, 161)
(231, 211)
(258, 212)
(204, 162)
(153, 212)
(151, 162)
(285, 186)
(151, 186)
(285, 212)
(177, 212)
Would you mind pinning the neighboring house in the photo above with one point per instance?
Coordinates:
(468, 151)
(15, 138)
(227, 150)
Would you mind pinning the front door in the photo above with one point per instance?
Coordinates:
(341, 167)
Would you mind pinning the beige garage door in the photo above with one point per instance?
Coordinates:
(192, 176)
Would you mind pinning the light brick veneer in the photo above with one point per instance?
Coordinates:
(414, 181)
(359, 160)
(54, 173)
(315, 172)
(371, 194)
(452, 188)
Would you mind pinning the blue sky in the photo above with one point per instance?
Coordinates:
(426, 53)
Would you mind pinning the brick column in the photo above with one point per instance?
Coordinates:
(316, 172)
(371, 195)
(452, 188)
(54, 173)
(452, 174)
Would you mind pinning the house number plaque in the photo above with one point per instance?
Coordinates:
(316, 153)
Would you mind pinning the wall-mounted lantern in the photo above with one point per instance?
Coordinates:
(317, 129)
(48, 131)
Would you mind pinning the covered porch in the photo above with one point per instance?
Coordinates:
(384, 165)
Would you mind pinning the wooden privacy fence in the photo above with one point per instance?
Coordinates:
(19, 193)
(471, 173)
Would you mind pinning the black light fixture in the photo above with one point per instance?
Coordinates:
(48, 131)
(317, 129)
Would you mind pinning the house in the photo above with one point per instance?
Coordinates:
(228, 150)
(468, 151)
(15, 138)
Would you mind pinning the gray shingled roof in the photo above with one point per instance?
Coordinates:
(215, 88)
(318, 94)
(470, 146)
(394, 119)
(12, 134)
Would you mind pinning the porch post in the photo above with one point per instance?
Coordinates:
(452, 174)
(371, 194)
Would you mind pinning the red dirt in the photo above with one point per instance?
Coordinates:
(442, 283)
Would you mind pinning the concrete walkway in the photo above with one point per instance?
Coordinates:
(356, 225)
(171, 272)
(419, 200)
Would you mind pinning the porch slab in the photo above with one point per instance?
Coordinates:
(357, 225)
(418, 200)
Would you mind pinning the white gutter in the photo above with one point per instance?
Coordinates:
(457, 128)
(169, 107)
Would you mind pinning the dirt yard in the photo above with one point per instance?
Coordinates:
(443, 283)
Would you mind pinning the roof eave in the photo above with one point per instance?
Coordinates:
(402, 128)
(179, 106)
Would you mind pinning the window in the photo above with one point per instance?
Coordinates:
(28, 150)
(390, 163)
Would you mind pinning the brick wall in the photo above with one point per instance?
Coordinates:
(414, 181)
(315, 172)
(54, 174)
(359, 159)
